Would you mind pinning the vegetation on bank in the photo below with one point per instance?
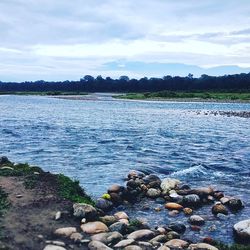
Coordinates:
(43, 93)
(243, 96)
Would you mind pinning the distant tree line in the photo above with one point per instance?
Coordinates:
(99, 84)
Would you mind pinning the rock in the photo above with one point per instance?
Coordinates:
(176, 197)
(187, 211)
(115, 189)
(160, 238)
(177, 243)
(97, 245)
(235, 204)
(163, 248)
(203, 192)
(135, 174)
(133, 247)
(76, 237)
(142, 234)
(177, 227)
(65, 231)
(121, 215)
(192, 200)
(107, 238)
(218, 208)
(108, 219)
(152, 181)
(118, 227)
(169, 184)
(202, 246)
(58, 215)
(104, 204)
(56, 242)
(116, 198)
(82, 210)
(53, 247)
(196, 220)
(172, 235)
(195, 228)
(218, 195)
(19, 196)
(124, 243)
(173, 212)
(160, 200)
(144, 245)
(4, 160)
(94, 227)
(161, 230)
(133, 184)
(124, 221)
(173, 206)
(153, 193)
(225, 200)
(242, 230)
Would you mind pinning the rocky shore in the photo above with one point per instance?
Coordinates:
(51, 212)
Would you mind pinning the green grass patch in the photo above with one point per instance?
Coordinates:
(72, 191)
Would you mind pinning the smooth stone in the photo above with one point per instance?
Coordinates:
(118, 227)
(173, 213)
(153, 181)
(108, 219)
(235, 204)
(205, 191)
(82, 210)
(97, 245)
(168, 184)
(141, 234)
(242, 230)
(187, 211)
(176, 197)
(125, 221)
(173, 206)
(192, 200)
(225, 200)
(177, 227)
(161, 230)
(115, 189)
(172, 235)
(124, 243)
(144, 245)
(218, 208)
(107, 238)
(76, 237)
(160, 238)
(133, 247)
(203, 246)
(54, 247)
(163, 248)
(153, 193)
(104, 204)
(94, 227)
(56, 242)
(135, 174)
(177, 243)
(116, 198)
(196, 220)
(58, 215)
(121, 215)
(65, 231)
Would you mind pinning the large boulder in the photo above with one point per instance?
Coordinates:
(143, 234)
(177, 243)
(107, 238)
(242, 230)
(192, 200)
(104, 204)
(97, 245)
(65, 231)
(94, 227)
(168, 184)
(235, 204)
(82, 210)
(203, 246)
(124, 243)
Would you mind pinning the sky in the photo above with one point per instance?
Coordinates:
(67, 39)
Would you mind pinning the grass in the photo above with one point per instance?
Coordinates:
(243, 96)
(43, 93)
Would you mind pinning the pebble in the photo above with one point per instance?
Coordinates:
(187, 211)
(97, 245)
(177, 243)
(121, 215)
(65, 231)
(173, 206)
(196, 220)
(219, 208)
(141, 234)
(53, 247)
(94, 227)
(58, 215)
(124, 243)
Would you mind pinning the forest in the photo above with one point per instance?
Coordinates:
(237, 82)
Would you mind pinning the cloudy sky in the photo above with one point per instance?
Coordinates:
(66, 39)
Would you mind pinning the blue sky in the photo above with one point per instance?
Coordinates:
(62, 39)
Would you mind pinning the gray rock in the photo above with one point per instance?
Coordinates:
(196, 220)
(65, 231)
(104, 204)
(118, 227)
(4, 160)
(173, 235)
(153, 181)
(108, 219)
(168, 184)
(242, 230)
(142, 234)
(153, 193)
(177, 243)
(202, 246)
(235, 204)
(177, 227)
(107, 238)
(97, 245)
(54, 247)
(133, 247)
(124, 243)
(192, 200)
(160, 239)
(82, 210)
(145, 245)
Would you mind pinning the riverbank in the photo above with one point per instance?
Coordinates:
(41, 210)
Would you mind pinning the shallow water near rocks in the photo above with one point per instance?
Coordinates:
(99, 141)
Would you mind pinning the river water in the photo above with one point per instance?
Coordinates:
(97, 141)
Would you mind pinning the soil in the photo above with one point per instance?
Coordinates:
(30, 220)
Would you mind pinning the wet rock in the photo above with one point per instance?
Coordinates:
(173, 212)
(177, 243)
(173, 206)
(94, 227)
(153, 181)
(133, 247)
(145, 245)
(161, 230)
(115, 189)
(187, 211)
(192, 200)
(54, 247)
(196, 220)
(195, 228)
(173, 235)
(203, 192)
(225, 200)
(4, 160)
(124, 221)
(97, 245)
(168, 184)
(176, 197)
(118, 227)
(116, 198)
(124, 243)
(82, 210)
(163, 248)
(160, 239)
(135, 174)
(107, 238)
(218, 208)
(202, 246)
(242, 230)
(108, 219)
(218, 195)
(104, 204)
(121, 215)
(153, 193)
(142, 234)
(133, 184)
(235, 204)
(76, 237)
(177, 227)
(65, 231)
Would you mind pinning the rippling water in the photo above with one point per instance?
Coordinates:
(99, 141)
